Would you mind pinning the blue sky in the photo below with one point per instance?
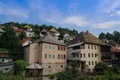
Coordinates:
(96, 16)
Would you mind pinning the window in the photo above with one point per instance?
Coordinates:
(61, 66)
(73, 55)
(49, 66)
(92, 54)
(84, 55)
(77, 55)
(88, 54)
(96, 55)
(81, 55)
(64, 57)
(95, 46)
(76, 47)
(89, 63)
(91, 46)
(64, 48)
(6, 68)
(92, 63)
(49, 47)
(58, 47)
(53, 56)
(3, 60)
(58, 56)
(49, 56)
(45, 55)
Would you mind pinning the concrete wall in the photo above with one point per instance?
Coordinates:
(6, 68)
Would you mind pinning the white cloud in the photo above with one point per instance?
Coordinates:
(76, 20)
(50, 13)
(14, 12)
(106, 25)
(17, 13)
(111, 7)
(117, 13)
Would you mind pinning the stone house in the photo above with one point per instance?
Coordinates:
(6, 64)
(86, 48)
(48, 52)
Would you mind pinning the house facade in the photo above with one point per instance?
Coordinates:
(48, 52)
(115, 56)
(6, 64)
(85, 48)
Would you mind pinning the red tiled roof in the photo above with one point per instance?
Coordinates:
(23, 41)
(20, 30)
(114, 50)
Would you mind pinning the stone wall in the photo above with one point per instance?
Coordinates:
(51, 68)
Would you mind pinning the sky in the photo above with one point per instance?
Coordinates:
(95, 16)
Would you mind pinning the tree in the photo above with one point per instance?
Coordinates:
(101, 67)
(109, 36)
(102, 36)
(74, 67)
(64, 76)
(21, 36)
(116, 36)
(20, 66)
(10, 41)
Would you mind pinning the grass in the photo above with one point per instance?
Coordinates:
(9, 76)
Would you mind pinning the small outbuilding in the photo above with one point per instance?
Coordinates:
(34, 70)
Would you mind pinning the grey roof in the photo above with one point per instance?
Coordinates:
(44, 30)
(87, 37)
(34, 66)
(49, 39)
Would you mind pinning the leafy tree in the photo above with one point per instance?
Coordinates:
(10, 41)
(20, 66)
(74, 67)
(102, 36)
(21, 36)
(64, 76)
(116, 36)
(101, 67)
(109, 36)
(52, 77)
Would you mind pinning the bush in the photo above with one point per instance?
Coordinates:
(64, 76)
(20, 66)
